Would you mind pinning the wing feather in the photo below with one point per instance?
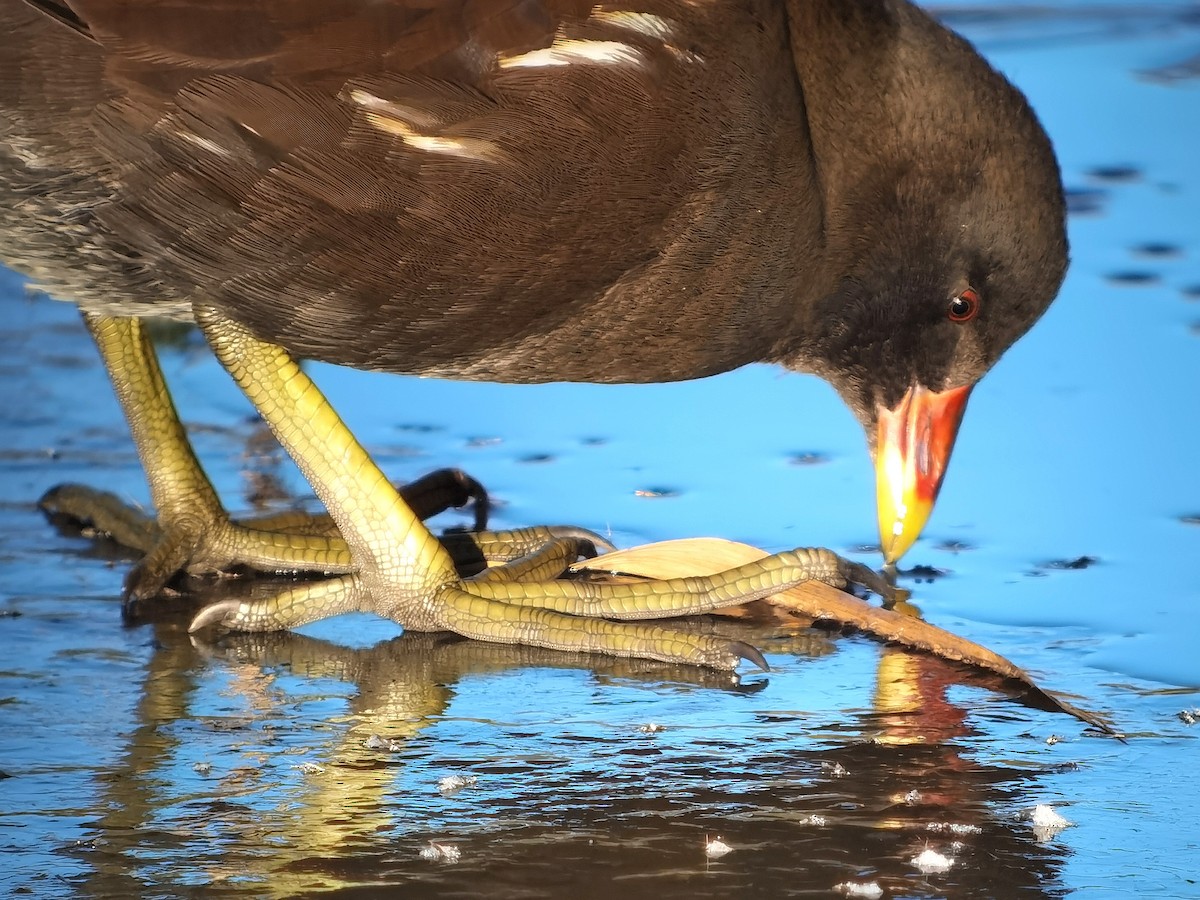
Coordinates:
(462, 187)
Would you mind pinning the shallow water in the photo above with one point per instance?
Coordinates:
(140, 764)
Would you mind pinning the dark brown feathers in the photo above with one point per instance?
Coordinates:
(527, 191)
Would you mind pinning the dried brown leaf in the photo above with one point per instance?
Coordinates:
(706, 556)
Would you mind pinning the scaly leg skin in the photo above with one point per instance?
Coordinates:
(306, 603)
(405, 574)
(103, 514)
(195, 533)
(428, 495)
(192, 531)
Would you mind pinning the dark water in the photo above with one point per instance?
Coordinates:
(141, 764)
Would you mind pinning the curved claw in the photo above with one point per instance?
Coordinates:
(217, 613)
(750, 653)
(477, 493)
(150, 575)
(602, 544)
(443, 488)
(870, 579)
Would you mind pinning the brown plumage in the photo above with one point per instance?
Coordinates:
(689, 199)
(534, 190)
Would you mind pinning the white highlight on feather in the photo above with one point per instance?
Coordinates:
(642, 23)
(28, 152)
(567, 52)
(203, 143)
(398, 120)
(648, 25)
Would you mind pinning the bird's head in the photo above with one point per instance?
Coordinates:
(944, 259)
(943, 232)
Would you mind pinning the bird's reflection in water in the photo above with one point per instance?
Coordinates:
(301, 797)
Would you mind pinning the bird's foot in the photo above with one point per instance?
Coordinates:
(198, 544)
(405, 574)
(525, 601)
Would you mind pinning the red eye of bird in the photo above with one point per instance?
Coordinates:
(965, 306)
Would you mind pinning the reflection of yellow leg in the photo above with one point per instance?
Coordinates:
(338, 797)
(347, 804)
(194, 532)
(408, 576)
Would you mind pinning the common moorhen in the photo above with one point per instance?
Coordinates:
(522, 190)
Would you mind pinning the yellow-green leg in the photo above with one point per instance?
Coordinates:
(405, 574)
(193, 531)
(103, 514)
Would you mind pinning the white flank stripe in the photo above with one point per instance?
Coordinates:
(565, 53)
(642, 23)
(389, 117)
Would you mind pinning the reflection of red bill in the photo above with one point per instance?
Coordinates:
(912, 449)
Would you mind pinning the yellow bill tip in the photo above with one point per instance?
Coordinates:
(913, 445)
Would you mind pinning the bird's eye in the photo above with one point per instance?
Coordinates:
(965, 306)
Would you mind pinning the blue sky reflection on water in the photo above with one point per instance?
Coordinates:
(1082, 443)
